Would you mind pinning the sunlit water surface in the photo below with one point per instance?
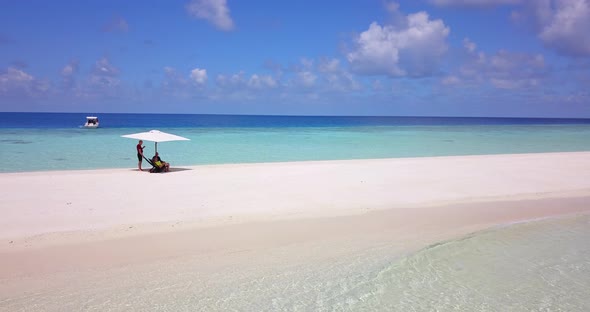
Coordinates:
(537, 266)
(62, 149)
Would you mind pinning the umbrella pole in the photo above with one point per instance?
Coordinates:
(156, 147)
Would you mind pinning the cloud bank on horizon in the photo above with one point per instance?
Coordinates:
(430, 57)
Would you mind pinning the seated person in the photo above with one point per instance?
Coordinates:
(160, 163)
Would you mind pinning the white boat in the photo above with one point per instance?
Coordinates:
(91, 122)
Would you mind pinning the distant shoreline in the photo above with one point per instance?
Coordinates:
(191, 167)
(175, 168)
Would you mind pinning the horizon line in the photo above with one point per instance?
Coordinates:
(276, 115)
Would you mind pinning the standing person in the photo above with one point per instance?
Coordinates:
(140, 148)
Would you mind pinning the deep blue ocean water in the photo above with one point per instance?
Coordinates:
(56, 141)
(111, 120)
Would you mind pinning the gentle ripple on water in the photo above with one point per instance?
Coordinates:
(63, 149)
(537, 266)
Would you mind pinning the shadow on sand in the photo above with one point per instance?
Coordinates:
(172, 170)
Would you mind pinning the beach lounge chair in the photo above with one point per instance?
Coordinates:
(155, 169)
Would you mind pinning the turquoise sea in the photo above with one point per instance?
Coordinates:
(54, 141)
(541, 265)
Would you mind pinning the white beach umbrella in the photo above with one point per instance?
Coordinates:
(155, 136)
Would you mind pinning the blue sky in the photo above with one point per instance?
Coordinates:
(349, 57)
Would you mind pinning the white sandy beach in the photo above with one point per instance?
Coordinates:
(60, 229)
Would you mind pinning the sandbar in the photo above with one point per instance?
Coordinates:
(60, 225)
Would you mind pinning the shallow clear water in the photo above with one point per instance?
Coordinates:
(537, 266)
(58, 149)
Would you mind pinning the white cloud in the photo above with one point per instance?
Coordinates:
(413, 49)
(564, 24)
(391, 6)
(336, 77)
(475, 2)
(168, 70)
(176, 84)
(306, 78)
(104, 73)
(263, 81)
(329, 66)
(69, 69)
(469, 45)
(16, 82)
(561, 25)
(68, 73)
(103, 67)
(239, 82)
(503, 70)
(15, 78)
(307, 64)
(322, 75)
(233, 81)
(199, 76)
(214, 11)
